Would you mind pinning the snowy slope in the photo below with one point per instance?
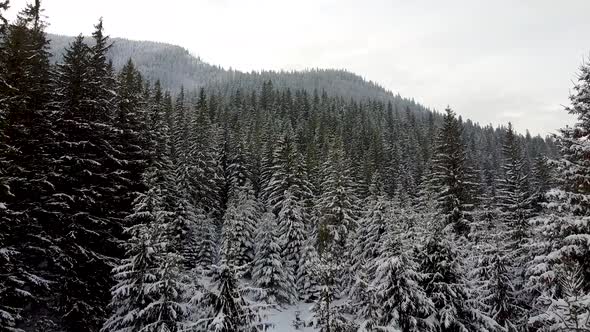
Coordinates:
(283, 319)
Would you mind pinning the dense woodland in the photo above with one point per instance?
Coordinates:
(125, 206)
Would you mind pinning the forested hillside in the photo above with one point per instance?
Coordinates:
(212, 201)
(175, 67)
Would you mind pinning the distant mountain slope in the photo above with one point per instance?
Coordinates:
(174, 66)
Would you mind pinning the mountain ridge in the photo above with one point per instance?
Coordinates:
(176, 67)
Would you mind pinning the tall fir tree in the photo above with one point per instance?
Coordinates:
(450, 178)
(327, 315)
(563, 230)
(269, 272)
(336, 207)
(186, 217)
(372, 227)
(230, 310)
(27, 250)
(131, 140)
(513, 197)
(85, 182)
(293, 234)
(402, 303)
(445, 283)
(131, 296)
(307, 280)
(240, 225)
(288, 171)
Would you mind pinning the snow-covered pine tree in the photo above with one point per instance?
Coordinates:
(449, 177)
(207, 237)
(570, 312)
(336, 207)
(362, 302)
(159, 144)
(238, 169)
(493, 278)
(130, 296)
(191, 225)
(204, 160)
(150, 291)
(327, 315)
(269, 271)
(371, 228)
(501, 294)
(400, 299)
(186, 218)
(131, 141)
(286, 192)
(509, 257)
(85, 178)
(240, 225)
(337, 211)
(288, 172)
(446, 285)
(543, 176)
(563, 230)
(26, 250)
(306, 279)
(268, 140)
(203, 148)
(179, 129)
(292, 233)
(512, 197)
(367, 245)
(230, 310)
(493, 275)
(169, 290)
(407, 166)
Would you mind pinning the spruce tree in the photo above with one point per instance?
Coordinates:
(230, 310)
(131, 141)
(496, 278)
(28, 251)
(372, 227)
(337, 204)
(169, 308)
(85, 181)
(307, 279)
(513, 197)
(327, 315)
(130, 296)
(186, 218)
(450, 174)
(569, 312)
(402, 302)
(562, 231)
(206, 175)
(269, 272)
(292, 232)
(501, 294)
(446, 285)
(239, 226)
(288, 171)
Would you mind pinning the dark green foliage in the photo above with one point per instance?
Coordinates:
(26, 249)
(450, 177)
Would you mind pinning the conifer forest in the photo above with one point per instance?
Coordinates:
(140, 199)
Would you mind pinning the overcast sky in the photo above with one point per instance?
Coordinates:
(492, 61)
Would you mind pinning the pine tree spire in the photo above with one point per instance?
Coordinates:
(450, 179)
